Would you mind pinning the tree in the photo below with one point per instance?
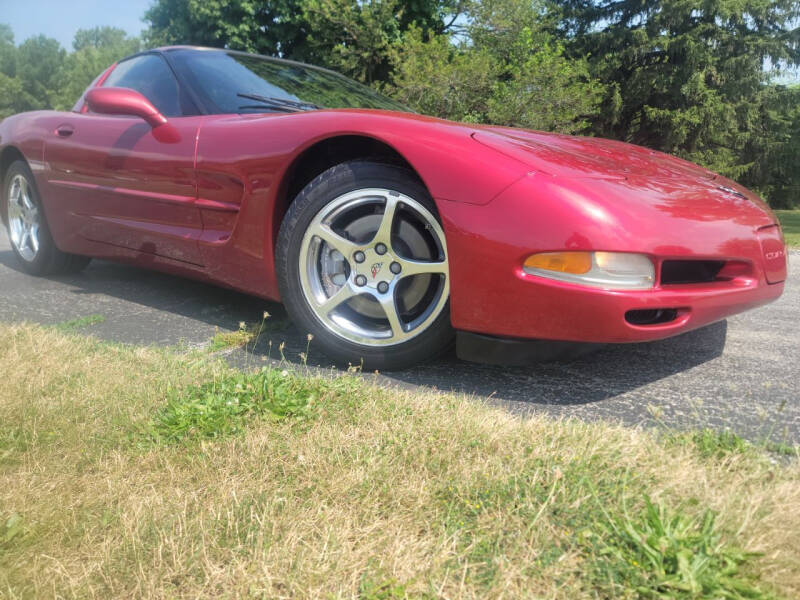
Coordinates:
(352, 36)
(772, 151)
(437, 77)
(508, 69)
(271, 27)
(8, 51)
(95, 50)
(38, 62)
(358, 38)
(13, 97)
(683, 77)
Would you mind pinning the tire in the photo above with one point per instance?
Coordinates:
(340, 285)
(28, 232)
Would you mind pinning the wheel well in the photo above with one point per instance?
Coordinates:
(324, 155)
(9, 155)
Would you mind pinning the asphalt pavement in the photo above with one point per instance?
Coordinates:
(742, 374)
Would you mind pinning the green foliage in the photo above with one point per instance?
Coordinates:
(95, 50)
(226, 405)
(772, 151)
(80, 323)
(436, 77)
(710, 443)
(39, 74)
(10, 528)
(790, 223)
(350, 36)
(719, 443)
(261, 26)
(690, 79)
(372, 587)
(13, 97)
(353, 37)
(509, 70)
(651, 550)
(663, 553)
(39, 61)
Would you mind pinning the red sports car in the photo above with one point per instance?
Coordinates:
(386, 234)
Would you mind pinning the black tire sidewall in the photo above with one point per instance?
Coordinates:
(329, 185)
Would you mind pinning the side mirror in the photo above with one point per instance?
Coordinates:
(123, 101)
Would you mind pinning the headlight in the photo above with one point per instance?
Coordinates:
(610, 270)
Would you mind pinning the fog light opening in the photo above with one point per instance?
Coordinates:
(651, 316)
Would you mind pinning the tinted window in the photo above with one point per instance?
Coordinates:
(149, 75)
(221, 76)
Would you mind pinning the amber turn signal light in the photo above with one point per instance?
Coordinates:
(561, 262)
(608, 270)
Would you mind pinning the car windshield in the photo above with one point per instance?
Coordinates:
(230, 82)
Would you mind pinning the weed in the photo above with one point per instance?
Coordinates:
(663, 553)
(710, 443)
(80, 323)
(10, 528)
(226, 405)
(224, 340)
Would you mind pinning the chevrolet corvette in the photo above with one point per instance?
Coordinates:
(386, 234)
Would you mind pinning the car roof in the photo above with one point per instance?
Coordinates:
(165, 49)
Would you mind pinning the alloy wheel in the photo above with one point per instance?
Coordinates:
(374, 268)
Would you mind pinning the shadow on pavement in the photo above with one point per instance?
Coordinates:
(609, 372)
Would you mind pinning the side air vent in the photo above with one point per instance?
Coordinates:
(651, 316)
(675, 272)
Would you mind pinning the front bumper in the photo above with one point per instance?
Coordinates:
(491, 294)
(567, 313)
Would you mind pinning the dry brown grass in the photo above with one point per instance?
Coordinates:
(356, 503)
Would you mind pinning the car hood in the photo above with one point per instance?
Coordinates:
(597, 158)
(631, 175)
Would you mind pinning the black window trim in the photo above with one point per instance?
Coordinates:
(201, 109)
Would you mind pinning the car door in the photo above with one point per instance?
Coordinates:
(125, 183)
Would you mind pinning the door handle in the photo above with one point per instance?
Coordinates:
(65, 131)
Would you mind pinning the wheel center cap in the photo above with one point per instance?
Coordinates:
(375, 267)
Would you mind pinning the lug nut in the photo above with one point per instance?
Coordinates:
(395, 267)
(361, 280)
(383, 287)
(380, 248)
(359, 256)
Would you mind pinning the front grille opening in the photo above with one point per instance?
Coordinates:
(675, 272)
(651, 316)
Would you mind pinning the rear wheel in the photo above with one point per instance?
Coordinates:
(362, 265)
(28, 232)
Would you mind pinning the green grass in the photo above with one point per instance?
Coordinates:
(141, 472)
(790, 223)
(224, 340)
(80, 323)
(231, 402)
(662, 553)
(711, 443)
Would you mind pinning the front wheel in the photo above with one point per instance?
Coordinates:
(362, 265)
